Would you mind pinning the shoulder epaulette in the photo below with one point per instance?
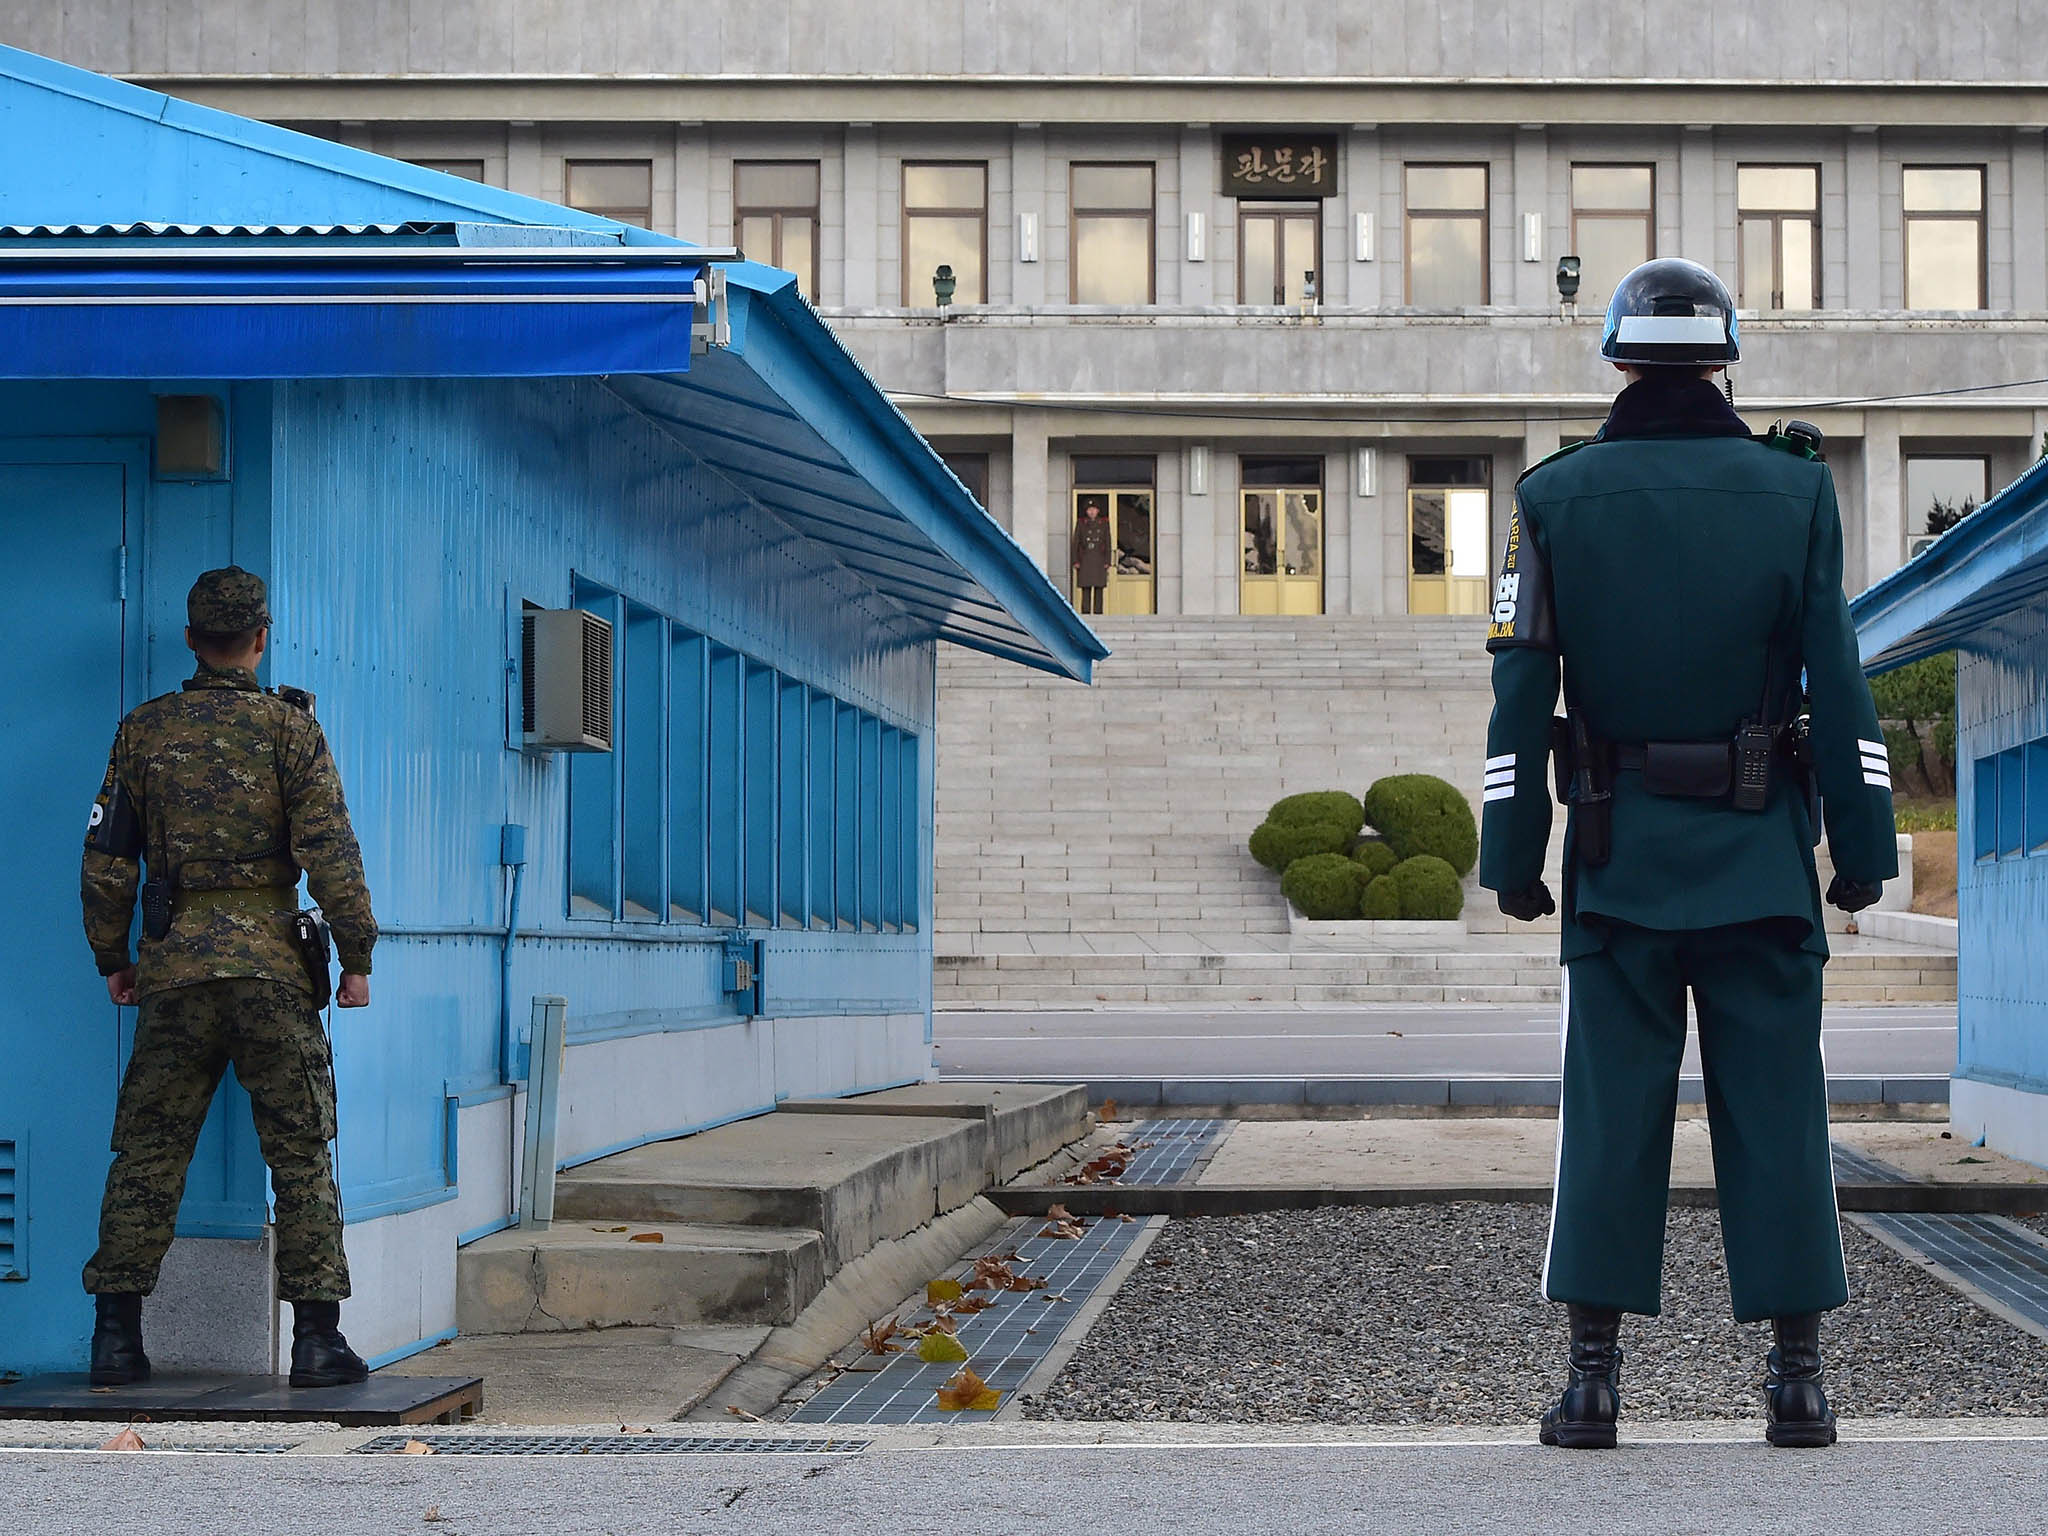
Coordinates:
(1552, 458)
(1801, 439)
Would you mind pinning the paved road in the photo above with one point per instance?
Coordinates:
(1421, 1040)
(1200, 1489)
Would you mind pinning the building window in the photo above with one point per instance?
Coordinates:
(1447, 245)
(1941, 490)
(1280, 502)
(775, 216)
(1613, 224)
(611, 189)
(2037, 795)
(738, 795)
(468, 170)
(1280, 252)
(1110, 235)
(1778, 211)
(1944, 237)
(945, 224)
(1111, 545)
(971, 470)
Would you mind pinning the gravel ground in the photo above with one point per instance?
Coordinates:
(1430, 1315)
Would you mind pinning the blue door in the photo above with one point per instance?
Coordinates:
(63, 531)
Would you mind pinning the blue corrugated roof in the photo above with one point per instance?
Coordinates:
(785, 412)
(1991, 564)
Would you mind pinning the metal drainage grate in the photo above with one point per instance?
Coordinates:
(616, 1445)
(1169, 1151)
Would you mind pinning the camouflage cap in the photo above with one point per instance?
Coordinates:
(227, 601)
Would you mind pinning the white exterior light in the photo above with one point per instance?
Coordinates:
(1027, 235)
(1367, 463)
(1198, 237)
(1532, 237)
(1198, 469)
(1361, 235)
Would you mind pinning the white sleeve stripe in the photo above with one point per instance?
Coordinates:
(1874, 755)
(1871, 746)
(1500, 776)
(1881, 783)
(1505, 760)
(1503, 792)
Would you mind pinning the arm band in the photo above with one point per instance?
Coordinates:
(1522, 611)
(114, 828)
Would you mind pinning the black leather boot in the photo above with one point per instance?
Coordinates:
(320, 1355)
(117, 1357)
(1793, 1396)
(1583, 1418)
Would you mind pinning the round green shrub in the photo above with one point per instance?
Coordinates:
(1382, 899)
(1418, 813)
(1277, 844)
(1428, 888)
(1374, 857)
(1323, 885)
(1320, 805)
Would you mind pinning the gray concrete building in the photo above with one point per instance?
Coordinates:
(1272, 285)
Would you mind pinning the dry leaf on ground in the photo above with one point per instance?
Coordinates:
(880, 1338)
(741, 1413)
(433, 1514)
(935, 1348)
(967, 1391)
(936, 1291)
(1107, 1112)
(645, 1237)
(1064, 1229)
(1058, 1212)
(127, 1440)
(972, 1304)
(416, 1448)
(610, 1229)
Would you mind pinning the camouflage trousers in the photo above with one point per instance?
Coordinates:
(184, 1040)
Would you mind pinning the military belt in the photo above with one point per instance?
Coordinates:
(241, 898)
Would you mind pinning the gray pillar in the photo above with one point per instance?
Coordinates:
(1884, 500)
(1197, 537)
(1862, 237)
(694, 219)
(1368, 530)
(863, 215)
(1533, 286)
(1028, 196)
(2029, 212)
(1361, 195)
(1030, 493)
(1339, 480)
(522, 162)
(1696, 222)
(1197, 195)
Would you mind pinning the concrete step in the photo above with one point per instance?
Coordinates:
(856, 1179)
(572, 1276)
(1025, 1122)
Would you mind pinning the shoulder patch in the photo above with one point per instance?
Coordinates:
(1522, 614)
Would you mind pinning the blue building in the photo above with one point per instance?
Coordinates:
(431, 414)
(1983, 590)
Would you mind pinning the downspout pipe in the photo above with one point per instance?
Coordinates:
(512, 855)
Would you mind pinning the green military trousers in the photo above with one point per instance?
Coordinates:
(1758, 997)
(184, 1040)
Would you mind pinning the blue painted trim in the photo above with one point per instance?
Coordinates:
(407, 1351)
(852, 1093)
(397, 1205)
(1991, 1077)
(479, 1091)
(475, 1234)
(647, 1141)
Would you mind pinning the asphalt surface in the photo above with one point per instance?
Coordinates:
(1197, 1487)
(1412, 1040)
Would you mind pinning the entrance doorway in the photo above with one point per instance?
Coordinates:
(1118, 492)
(1450, 534)
(1282, 527)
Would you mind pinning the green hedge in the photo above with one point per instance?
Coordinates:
(1319, 805)
(1382, 900)
(1428, 888)
(1277, 844)
(1419, 813)
(1323, 885)
(1374, 857)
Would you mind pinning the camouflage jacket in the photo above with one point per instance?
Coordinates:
(235, 793)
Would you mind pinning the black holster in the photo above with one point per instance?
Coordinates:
(1592, 793)
(310, 936)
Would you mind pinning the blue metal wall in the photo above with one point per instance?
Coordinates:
(2002, 897)
(411, 521)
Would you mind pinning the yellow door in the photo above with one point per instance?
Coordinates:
(1283, 552)
(1449, 550)
(1129, 587)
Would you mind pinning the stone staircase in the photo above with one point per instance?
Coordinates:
(1091, 841)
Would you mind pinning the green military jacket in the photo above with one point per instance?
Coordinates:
(229, 793)
(1659, 571)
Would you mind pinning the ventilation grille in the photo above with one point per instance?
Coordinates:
(615, 1445)
(13, 1262)
(566, 680)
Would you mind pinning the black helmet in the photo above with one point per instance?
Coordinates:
(1670, 313)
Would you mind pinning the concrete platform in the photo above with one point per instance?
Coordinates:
(624, 1375)
(855, 1179)
(572, 1276)
(207, 1397)
(1026, 1122)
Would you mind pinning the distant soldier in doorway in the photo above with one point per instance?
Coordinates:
(229, 792)
(1684, 580)
(1094, 548)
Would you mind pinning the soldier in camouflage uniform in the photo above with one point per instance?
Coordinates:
(229, 792)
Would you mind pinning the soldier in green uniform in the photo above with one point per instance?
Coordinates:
(228, 792)
(1681, 577)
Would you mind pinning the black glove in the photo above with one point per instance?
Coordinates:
(1853, 895)
(1531, 902)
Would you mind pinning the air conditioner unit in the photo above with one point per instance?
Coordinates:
(566, 672)
(1919, 542)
